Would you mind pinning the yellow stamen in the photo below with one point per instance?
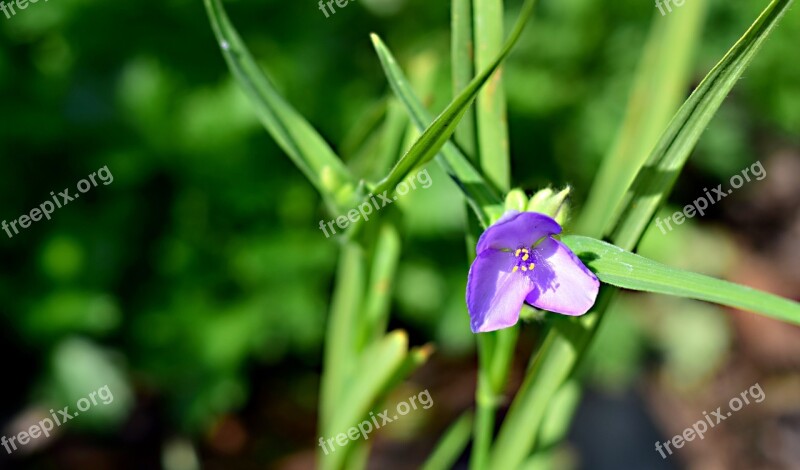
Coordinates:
(515, 269)
(524, 269)
(525, 257)
(531, 266)
(516, 253)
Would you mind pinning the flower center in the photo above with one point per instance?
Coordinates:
(524, 264)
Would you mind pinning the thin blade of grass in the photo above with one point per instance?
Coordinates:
(655, 180)
(490, 108)
(462, 52)
(442, 128)
(659, 87)
(496, 348)
(451, 445)
(376, 367)
(307, 149)
(481, 196)
(385, 258)
(340, 342)
(621, 268)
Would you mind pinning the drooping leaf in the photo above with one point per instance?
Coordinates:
(307, 149)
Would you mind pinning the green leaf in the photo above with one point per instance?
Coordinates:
(495, 348)
(385, 257)
(551, 367)
(367, 123)
(307, 149)
(375, 142)
(490, 109)
(451, 445)
(659, 86)
(377, 366)
(393, 136)
(416, 357)
(655, 180)
(621, 268)
(341, 333)
(441, 129)
(461, 54)
(482, 198)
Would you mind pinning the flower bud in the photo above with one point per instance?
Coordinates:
(516, 200)
(556, 205)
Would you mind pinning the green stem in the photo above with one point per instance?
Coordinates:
(492, 124)
(552, 366)
(494, 349)
(340, 337)
(484, 403)
(451, 445)
(340, 352)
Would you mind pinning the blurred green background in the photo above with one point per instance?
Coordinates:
(196, 285)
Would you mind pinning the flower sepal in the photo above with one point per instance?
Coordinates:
(546, 201)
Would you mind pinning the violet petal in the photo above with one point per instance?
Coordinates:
(495, 294)
(517, 229)
(563, 284)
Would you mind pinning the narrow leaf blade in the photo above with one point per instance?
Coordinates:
(437, 134)
(621, 268)
(378, 365)
(307, 149)
(656, 178)
(481, 196)
(462, 54)
(451, 445)
(490, 108)
(659, 87)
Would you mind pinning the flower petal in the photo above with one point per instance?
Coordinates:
(517, 229)
(495, 294)
(562, 283)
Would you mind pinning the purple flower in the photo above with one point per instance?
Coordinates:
(520, 261)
